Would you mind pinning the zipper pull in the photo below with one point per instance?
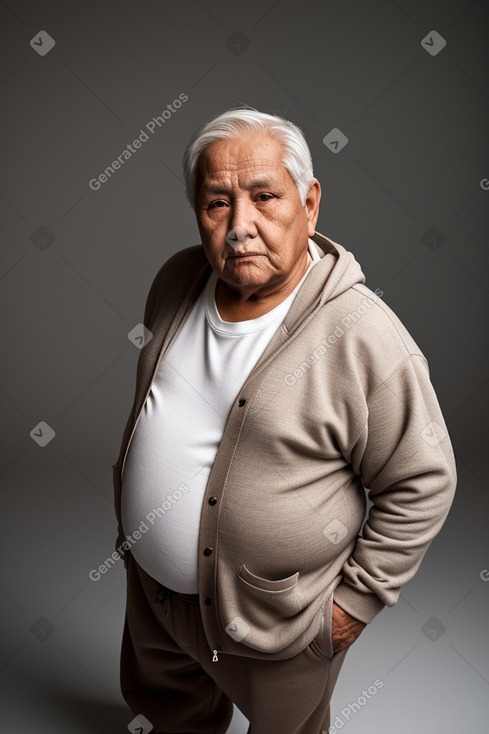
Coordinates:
(215, 659)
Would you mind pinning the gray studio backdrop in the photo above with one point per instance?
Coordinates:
(393, 100)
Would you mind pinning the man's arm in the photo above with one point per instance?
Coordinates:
(405, 459)
(116, 468)
(170, 287)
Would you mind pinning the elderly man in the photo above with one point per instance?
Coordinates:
(275, 390)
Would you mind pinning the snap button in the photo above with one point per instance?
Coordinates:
(207, 551)
(208, 601)
(241, 402)
(212, 500)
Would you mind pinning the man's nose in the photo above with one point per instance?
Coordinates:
(242, 226)
(237, 235)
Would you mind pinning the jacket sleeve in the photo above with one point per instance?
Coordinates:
(406, 462)
(167, 291)
(117, 467)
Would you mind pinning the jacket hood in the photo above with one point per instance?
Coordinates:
(333, 275)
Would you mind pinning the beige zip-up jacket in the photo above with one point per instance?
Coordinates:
(340, 402)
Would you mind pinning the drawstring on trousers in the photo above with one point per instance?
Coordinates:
(162, 595)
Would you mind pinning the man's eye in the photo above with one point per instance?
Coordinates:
(221, 203)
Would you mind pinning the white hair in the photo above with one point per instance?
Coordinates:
(296, 155)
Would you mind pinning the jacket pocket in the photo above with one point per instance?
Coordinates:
(322, 644)
(260, 611)
(279, 587)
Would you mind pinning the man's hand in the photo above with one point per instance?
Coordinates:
(344, 628)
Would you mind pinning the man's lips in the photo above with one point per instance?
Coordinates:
(246, 254)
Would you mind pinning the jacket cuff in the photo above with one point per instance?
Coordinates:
(363, 607)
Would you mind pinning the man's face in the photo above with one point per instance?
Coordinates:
(253, 226)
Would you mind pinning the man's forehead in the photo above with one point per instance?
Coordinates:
(246, 158)
(246, 178)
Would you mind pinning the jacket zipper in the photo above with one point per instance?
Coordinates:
(216, 653)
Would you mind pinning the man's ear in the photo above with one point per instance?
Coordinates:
(312, 206)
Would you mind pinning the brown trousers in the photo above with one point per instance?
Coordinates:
(167, 673)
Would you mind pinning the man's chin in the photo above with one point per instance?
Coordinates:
(246, 270)
(245, 281)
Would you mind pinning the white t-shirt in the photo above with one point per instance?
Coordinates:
(179, 431)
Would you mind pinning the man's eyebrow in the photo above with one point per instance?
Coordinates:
(258, 183)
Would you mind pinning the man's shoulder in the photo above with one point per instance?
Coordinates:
(189, 258)
(182, 268)
(370, 328)
(175, 279)
(391, 327)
